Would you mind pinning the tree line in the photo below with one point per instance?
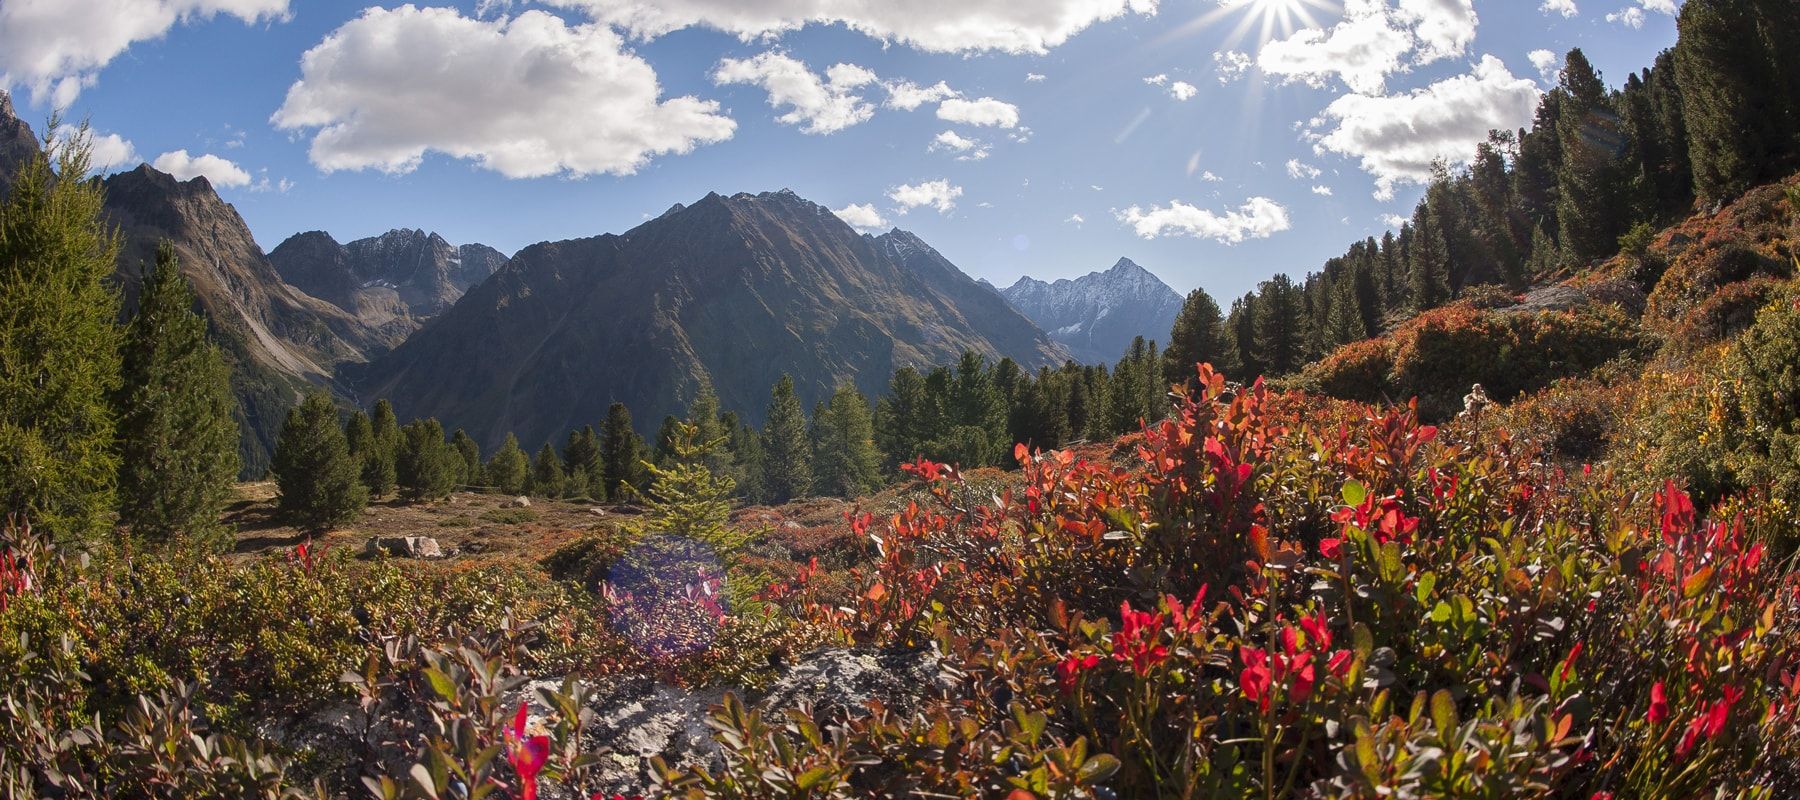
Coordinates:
(1597, 171)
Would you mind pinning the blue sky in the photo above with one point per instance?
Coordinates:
(1278, 132)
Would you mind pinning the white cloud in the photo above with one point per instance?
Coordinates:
(1634, 16)
(1548, 64)
(1180, 90)
(942, 26)
(1298, 169)
(1209, 177)
(1075, 219)
(526, 97)
(1034, 77)
(1394, 220)
(1372, 41)
(938, 194)
(984, 112)
(1564, 7)
(906, 95)
(219, 171)
(968, 149)
(1324, 191)
(57, 47)
(1257, 218)
(1398, 137)
(1231, 65)
(109, 152)
(861, 216)
(817, 105)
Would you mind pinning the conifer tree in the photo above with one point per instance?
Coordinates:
(378, 461)
(59, 342)
(470, 453)
(787, 467)
(1240, 325)
(359, 438)
(581, 455)
(845, 462)
(903, 418)
(703, 414)
(622, 454)
(666, 434)
(1198, 336)
(318, 482)
(547, 479)
(1591, 210)
(177, 439)
(1279, 332)
(1344, 323)
(746, 457)
(508, 470)
(1727, 81)
(1430, 268)
(424, 465)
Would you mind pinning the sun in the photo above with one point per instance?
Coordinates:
(1266, 20)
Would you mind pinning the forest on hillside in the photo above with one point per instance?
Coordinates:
(1290, 553)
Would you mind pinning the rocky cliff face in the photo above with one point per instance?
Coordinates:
(739, 289)
(399, 278)
(1098, 314)
(279, 339)
(17, 144)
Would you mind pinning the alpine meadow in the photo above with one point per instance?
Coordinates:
(813, 399)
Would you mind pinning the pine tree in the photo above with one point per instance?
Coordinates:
(1198, 336)
(1430, 280)
(581, 456)
(1727, 82)
(470, 453)
(318, 482)
(903, 419)
(1344, 325)
(359, 438)
(508, 470)
(424, 465)
(710, 434)
(666, 435)
(746, 457)
(378, 461)
(59, 342)
(845, 462)
(975, 431)
(1240, 325)
(1279, 326)
(547, 479)
(1591, 210)
(622, 454)
(1538, 162)
(787, 467)
(177, 440)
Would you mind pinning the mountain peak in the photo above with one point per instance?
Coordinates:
(1098, 314)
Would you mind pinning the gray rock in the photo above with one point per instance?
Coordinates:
(405, 546)
(841, 681)
(517, 502)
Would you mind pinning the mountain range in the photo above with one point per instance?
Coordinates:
(1097, 315)
(731, 291)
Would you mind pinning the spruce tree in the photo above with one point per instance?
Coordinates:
(1240, 325)
(1591, 210)
(711, 436)
(1429, 280)
(581, 454)
(177, 439)
(424, 465)
(976, 435)
(59, 342)
(787, 463)
(622, 454)
(378, 461)
(1198, 336)
(318, 482)
(470, 453)
(903, 417)
(845, 462)
(1728, 90)
(508, 470)
(547, 479)
(746, 457)
(666, 434)
(1279, 326)
(1343, 325)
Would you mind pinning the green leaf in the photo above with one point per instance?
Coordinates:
(1355, 493)
(441, 683)
(1097, 769)
(1443, 712)
(813, 777)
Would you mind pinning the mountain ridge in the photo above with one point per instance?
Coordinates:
(1085, 314)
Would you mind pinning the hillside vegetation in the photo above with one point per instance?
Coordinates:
(1576, 581)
